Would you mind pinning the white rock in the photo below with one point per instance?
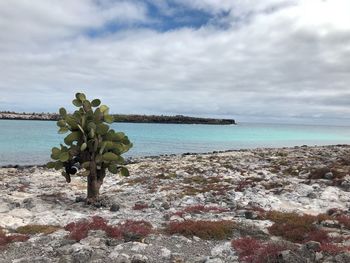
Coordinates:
(166, 253)
(4, 208)
(330, 193)
(21, 213)
(137, 246)
(8, 221)
(222, 250)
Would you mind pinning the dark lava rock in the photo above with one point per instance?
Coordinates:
(79, 199)
(251, 215)
(166, 205)
(319, 172)
(114, 207)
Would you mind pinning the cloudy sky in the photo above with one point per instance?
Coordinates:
(269, 60)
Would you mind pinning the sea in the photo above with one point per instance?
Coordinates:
(29, 142)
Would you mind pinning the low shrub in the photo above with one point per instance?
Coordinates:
(294, 227)
(37, 229)
(6, 239)
(79, 230)
(333, 249)
(344, 220)
(218, 230)
(251, 250)
(130, 230)
(318, 235)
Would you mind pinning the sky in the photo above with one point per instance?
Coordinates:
(250, 60)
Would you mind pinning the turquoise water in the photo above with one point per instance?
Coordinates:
(29, 142)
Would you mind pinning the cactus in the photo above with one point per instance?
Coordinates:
(90, 144)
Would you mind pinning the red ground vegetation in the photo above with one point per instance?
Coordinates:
(304, 228)
(130, 229)
(333, 249)
(251, 250)
(6, 239)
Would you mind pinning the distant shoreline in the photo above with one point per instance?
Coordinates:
(129, 118)
(153, 158)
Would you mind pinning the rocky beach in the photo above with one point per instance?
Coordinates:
(258, 206)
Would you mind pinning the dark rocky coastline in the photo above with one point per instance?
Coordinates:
(178, 119)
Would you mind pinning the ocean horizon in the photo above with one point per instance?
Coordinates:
(29, 142)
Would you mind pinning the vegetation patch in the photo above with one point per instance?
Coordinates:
(129, 230)
(218, 230)
(333, 249)
(292, 226)
(37, 229)
(344, 220)
(7, 239)
(252, 250)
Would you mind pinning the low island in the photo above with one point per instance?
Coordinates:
(133, 118)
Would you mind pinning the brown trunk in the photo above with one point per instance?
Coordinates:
(95, 180)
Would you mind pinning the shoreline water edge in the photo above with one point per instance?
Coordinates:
(290, 204)
(130, 160)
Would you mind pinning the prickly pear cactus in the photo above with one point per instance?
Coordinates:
(90, 144)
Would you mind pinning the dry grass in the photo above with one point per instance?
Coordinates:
(217, 230)
(37, 229)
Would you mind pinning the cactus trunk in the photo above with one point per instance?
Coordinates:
(93, 189)
(95, 180)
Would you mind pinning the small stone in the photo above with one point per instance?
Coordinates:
(4, 208)
(166, 217)
(113, 242)
(222, 250)
(114, 207)
(251, 215)
(177, 258)
(213, 260)
(318, 256)
(166, 253)
(329, 176)
(288, 256)
(330, 223)
(312, 195)
(199, 259)
(138, 258)
(120, 258)
(342, 258)
(312, 245)
(137, 246)
(345, 186)
(65, 259)
(195, 238)
(32, 259)
(79, 199)
(82, 256)
(165, 205)
(28, 203)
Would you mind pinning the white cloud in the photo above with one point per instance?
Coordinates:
(290, 61)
